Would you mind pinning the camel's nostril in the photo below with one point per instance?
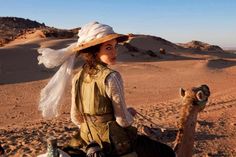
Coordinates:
(206, 90)
(207, 93)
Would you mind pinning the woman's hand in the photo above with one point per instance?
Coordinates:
(132, 111)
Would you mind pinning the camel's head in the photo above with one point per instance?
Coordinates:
(198, 96)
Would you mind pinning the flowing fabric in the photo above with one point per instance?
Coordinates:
(51, 95)
(52, 58)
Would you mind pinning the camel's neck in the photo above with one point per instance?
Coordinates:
(185, 137)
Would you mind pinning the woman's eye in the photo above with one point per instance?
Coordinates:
(108, 48)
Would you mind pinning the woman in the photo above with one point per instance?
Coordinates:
(98, 104)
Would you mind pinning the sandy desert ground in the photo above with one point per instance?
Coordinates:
(151, 87)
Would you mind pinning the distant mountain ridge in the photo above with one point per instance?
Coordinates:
(18, 23)
(154, 46)
(12, 28)
(200, 46)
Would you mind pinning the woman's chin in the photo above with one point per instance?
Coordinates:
(112, 63)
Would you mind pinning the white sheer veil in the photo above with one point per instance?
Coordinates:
(51, 95)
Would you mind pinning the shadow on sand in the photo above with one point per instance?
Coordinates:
(220, 63)
(217, 54)
(169, 135)
(20, 64)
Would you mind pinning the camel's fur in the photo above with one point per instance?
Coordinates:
(194, 100)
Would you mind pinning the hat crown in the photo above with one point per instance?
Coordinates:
(93, 30)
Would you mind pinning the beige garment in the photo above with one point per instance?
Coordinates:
(115, 91)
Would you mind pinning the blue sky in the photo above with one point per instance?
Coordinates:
(212, 21)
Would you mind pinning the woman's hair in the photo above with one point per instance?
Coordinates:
(90, 57)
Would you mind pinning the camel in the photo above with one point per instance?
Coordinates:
(193, 101)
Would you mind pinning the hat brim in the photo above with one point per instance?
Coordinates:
(118, 37)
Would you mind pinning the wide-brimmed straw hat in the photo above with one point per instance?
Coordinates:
(118, 37)
(95, 33)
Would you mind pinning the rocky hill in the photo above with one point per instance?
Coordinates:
(200, 46)
(153, 43)
(147, 45)
(12, 28)
(15, 23)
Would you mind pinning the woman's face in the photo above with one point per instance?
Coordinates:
(107, 52)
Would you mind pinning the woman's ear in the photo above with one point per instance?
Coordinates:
(182, 92)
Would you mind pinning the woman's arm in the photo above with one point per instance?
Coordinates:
(115, 90)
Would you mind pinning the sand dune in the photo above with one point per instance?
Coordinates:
(151, 87)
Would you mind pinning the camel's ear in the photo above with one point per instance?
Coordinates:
(182, 92)
(200, 95)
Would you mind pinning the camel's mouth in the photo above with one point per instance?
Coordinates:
(200, 103)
